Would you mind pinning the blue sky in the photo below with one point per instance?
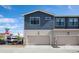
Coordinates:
(11, 16)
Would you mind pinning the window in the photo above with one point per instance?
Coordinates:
(60, 21)
(35, 20)
(47, 18)
(70, 22)
(73, 22)
(76, 22)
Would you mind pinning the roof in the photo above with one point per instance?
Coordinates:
(66, 15)
(50, 14)
(2, 33)
(39, 11)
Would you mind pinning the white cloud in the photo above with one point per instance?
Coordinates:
(1, 27)
(7, 7)
(1, 16)
(70, 7)
(9, 26)
(7, 20)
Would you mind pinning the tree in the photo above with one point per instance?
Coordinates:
(7, 30)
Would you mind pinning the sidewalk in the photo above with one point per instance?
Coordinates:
(38, 49)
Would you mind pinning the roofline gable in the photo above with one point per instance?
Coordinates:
(39, 11)
(50, 14)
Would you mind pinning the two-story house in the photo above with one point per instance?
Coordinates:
(42, 28)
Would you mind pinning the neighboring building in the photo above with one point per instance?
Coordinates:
(42, 28)
(2, 35)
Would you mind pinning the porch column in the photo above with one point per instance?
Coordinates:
(25, 40)
(53, 41)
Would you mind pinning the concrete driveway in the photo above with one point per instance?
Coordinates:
(38, 49)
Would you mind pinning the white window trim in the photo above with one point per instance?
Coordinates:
(72, 21)
(49, 18)
(34, 17)
(60, 18)
(73, 18)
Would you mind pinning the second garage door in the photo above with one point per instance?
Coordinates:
(38, 40)
(67, 40)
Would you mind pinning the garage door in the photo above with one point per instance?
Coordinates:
(67, 40)
(38, 40)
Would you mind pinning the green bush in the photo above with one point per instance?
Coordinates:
(1, 39)
(19, 38)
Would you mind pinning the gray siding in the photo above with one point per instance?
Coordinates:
(44, 24)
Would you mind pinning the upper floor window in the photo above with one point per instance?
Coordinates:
(60, 21)
(72, 22)
(35, 20)
(47, 18)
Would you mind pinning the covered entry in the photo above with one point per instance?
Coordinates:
(39, 40)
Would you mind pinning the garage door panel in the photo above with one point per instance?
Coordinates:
(38, 40)
(67, 40)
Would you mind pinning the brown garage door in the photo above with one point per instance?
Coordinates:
(67, 40)
(38, 40)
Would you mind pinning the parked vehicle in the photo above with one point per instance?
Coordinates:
(14, 40)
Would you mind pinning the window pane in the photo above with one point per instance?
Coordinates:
(57, 20)
(34, 20)
(75, 19)
(60, 21)
(73, 22)
(76, 23)
(70, 19)
(47, 18)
